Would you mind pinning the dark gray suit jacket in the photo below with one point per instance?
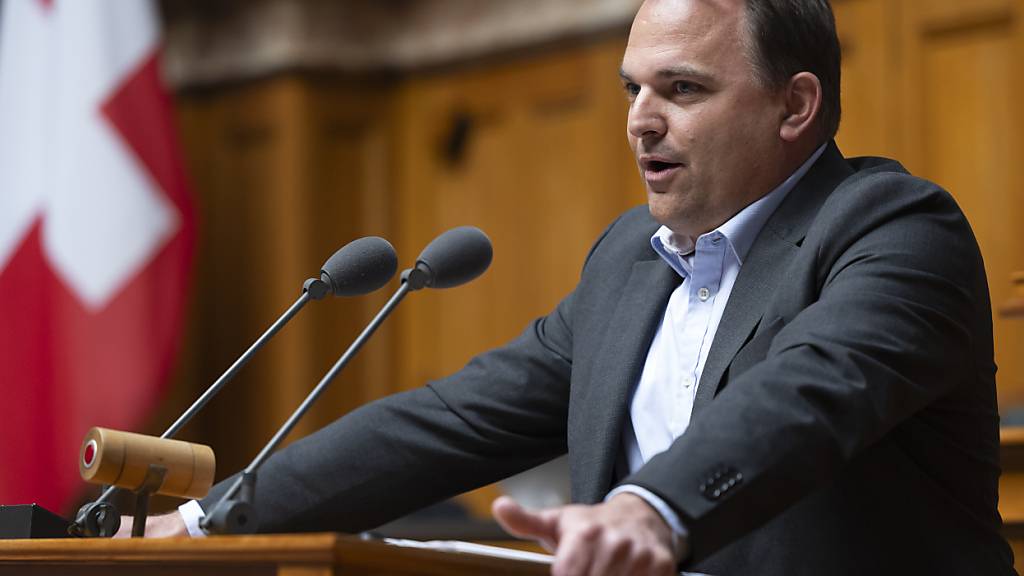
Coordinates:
(845, 422)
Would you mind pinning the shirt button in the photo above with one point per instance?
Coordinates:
(703, 294)
(687, 382)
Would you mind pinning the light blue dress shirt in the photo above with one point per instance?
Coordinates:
(663, 400)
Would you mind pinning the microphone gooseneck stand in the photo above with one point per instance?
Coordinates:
(100, 518)
(359, 267)
(453, 258)
(232, 515)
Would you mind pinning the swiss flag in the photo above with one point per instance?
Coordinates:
(96, 235)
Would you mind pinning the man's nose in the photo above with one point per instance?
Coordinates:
(646, 118)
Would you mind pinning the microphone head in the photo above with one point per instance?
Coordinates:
(455, 257)
(360, 267)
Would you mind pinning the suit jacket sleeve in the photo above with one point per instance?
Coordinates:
(503, 413)
(873, 327)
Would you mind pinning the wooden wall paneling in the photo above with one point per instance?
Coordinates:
(284, 171)
(939, 14)
(962, 128)
(533, 152)
(580, 167)
(453, 133)
(543, 158)
(248, 148)
(285, 246)
(457, 165)
(437, 120)
(868, 35)
(187, 372)
(350, 170)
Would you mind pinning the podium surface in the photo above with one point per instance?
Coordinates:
(264, 555)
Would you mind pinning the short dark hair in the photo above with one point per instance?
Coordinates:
(792, 36)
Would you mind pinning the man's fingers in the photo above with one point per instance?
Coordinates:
(518, 521)
(125, 530)
(622, 536)
(614, 555)
(575, 552)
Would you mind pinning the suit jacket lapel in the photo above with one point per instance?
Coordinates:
(763, 269)
(637, 315)
(757, 279)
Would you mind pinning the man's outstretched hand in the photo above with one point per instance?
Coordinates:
(621, 536)
(163, 526)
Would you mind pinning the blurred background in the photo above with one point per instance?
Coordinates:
(303, 124)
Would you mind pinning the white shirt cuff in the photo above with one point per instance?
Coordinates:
(191, 512)
(666, 511)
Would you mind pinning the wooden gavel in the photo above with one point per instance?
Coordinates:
(125, 460)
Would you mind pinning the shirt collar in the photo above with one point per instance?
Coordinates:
(740, 230)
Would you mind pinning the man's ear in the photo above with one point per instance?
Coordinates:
(803, 106)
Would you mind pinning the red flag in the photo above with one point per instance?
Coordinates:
(96, 235)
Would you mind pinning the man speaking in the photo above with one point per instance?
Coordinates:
(781, 365)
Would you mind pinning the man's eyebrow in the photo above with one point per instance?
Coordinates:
(674, 72)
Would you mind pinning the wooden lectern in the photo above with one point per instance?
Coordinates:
(272, 555)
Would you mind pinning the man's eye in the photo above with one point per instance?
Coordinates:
(631, 88)
(685, 88)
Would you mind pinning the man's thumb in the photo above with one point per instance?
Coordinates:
(518, 521)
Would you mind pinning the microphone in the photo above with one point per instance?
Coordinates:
(453, 258)
(359, 267)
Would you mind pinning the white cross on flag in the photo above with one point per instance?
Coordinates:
(96, 234)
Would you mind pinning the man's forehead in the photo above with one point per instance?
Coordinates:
(660, 20)
(671, 10)
(665, 30)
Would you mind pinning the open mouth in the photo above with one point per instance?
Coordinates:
(659, 166)
(659, 172)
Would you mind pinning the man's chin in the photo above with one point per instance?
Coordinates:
(661, 213)
(677, 218)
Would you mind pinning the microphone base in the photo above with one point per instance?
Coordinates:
(232, 517)
(96, 520)
(31, 521)
(235, 515)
